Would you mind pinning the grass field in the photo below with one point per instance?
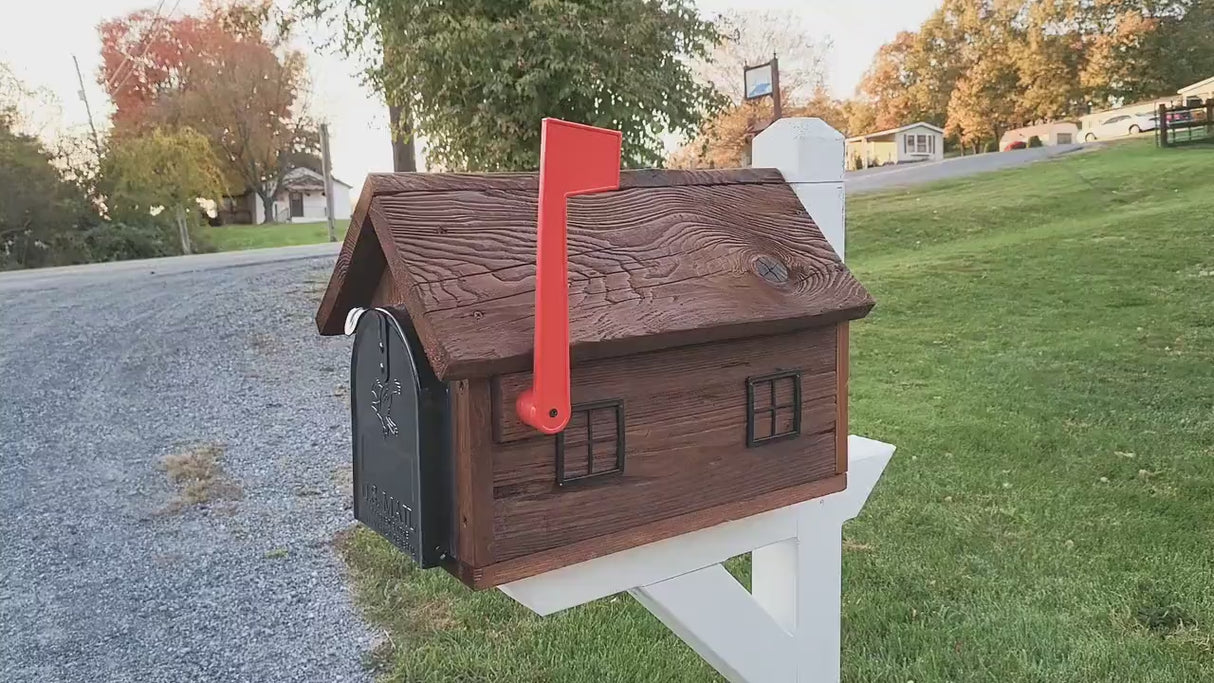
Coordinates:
(237, 237)
(1042, 354)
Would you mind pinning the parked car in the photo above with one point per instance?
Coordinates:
(1015, 144)
(1121, 125)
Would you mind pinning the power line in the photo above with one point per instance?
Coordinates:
(126, 57)
(156, 21)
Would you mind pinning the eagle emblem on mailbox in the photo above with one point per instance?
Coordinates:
(381, 403)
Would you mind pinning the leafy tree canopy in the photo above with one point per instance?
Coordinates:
(477, 76)
(227, 74)
(162, 170)
(979, 67)
(37, 205)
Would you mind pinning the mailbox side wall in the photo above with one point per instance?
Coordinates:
(687, 464)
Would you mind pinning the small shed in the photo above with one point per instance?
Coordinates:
(919, 141)
(1053, 133)
(708, 346)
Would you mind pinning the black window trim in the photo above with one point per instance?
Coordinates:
(770, 381)
(589, 408)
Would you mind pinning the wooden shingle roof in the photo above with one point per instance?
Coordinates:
(671, 258)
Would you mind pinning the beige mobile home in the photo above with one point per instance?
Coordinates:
(914, 142)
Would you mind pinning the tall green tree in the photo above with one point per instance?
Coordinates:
(39, 208)
(477, 76)
(163, 171)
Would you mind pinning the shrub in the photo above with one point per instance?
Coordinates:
(990, 146)
(1034, 141)
(120, 241)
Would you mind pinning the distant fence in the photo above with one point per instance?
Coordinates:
(1186, 123)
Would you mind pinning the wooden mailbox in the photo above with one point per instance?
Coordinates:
(707, 324)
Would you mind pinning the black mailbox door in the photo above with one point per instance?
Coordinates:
(384, 400)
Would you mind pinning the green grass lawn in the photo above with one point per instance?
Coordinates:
(1042, 354)
(237, 237)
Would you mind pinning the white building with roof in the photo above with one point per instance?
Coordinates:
(919, 141)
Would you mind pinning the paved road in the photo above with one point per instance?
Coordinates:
(104, 370)
(906, 175)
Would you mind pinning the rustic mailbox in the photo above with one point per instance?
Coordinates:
(690, 367)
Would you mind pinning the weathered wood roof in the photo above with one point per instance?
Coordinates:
(671, 258)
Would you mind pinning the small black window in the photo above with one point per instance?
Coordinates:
(773, 408)
(592, 444)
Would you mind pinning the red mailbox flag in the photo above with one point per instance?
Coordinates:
(574, 159)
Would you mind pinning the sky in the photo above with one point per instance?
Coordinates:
(39, 38)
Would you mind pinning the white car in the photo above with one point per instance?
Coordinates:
(1121, 125)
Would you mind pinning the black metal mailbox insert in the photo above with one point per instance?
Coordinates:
(400, 412)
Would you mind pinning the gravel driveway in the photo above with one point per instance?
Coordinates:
(100, 578)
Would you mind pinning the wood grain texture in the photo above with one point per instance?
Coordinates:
(385, 295)
(392, 183)
(672, 372)
(522, 567)
(359, 267)
(472, 471)
(685, 441)
(842, 363)
(650, 268)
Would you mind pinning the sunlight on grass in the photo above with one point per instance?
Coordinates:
(1042, 354)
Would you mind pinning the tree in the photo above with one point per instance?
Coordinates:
(228, 75)
(1047, 60)
(1064, 56)
(859, 115)
(162, 170)
(888, 83)
(752, 37)
(981, 107)
(476, 77)
(29, 110)
(37, 205)
(724, 140)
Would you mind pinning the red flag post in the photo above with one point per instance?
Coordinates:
(574, 159)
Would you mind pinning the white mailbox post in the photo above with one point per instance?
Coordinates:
(787, 628)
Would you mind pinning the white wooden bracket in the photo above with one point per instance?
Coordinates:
(786, 630)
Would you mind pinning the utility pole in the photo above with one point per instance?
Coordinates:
(775, 88)
(326, 166)
(84, 98)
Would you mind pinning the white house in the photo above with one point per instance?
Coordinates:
(1200, 91)
(301, 200)
(914, 142)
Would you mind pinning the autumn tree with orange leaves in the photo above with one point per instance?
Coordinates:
(228, 74)
(978, 67)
